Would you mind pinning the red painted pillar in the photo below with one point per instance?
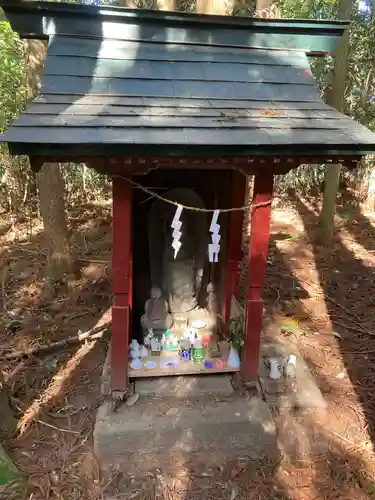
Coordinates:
(122, 268)
(257, 265)
(234, 239)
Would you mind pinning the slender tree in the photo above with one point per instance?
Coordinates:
(336, 96)
(218, 7)
(50, 181)
(263, 8)
(164, 4)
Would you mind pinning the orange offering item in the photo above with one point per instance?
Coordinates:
(206, 339)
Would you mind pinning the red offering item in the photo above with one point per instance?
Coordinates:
(206, 339)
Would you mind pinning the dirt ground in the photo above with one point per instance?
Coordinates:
(322, 302)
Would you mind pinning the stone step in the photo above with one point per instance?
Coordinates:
(170, 434)
(185, 386)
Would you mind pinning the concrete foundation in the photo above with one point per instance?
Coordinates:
(200, 423)
(169, 434)
(185, 387)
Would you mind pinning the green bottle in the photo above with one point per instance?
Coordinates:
(198, 351)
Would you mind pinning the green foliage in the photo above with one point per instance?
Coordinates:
(12, 76)
(308, 9)
(236, 333)
(360, 86)
(360, 91)
(80, 182)
(306, 179)
(12, 83)
(359, 95)
(8, 471)
(12, 95)
(84, 184)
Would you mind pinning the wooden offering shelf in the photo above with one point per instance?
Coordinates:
(183, 368)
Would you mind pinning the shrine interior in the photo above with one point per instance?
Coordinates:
(190, 285)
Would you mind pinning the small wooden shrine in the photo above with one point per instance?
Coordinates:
(184, 106)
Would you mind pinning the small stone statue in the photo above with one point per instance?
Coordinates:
(156, 312)
(149, 336)
(211, 301)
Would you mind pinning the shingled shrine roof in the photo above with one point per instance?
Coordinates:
(126, 82)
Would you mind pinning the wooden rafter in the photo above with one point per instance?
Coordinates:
(142, 165)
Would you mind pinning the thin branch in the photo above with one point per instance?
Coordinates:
(57, 428)
(94, 334)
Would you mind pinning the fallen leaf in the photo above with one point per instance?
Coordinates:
(233, 494)
(290, 324)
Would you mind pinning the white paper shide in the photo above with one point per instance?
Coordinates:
(176, 226)
(214, 247)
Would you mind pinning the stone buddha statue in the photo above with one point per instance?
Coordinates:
(156, 314)
(179, 278)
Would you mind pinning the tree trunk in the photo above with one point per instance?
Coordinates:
(218, 7)
(370, 195)
(14, 181)
(164, 4)
(128, 3)
(51, 185)
(262, 5)
(265, 8)
(35, 54)
(52, 208)
(335, 99)
(367, 183)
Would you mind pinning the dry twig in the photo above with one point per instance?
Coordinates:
(94, 334)
(57, 428)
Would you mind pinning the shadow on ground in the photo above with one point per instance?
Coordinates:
(55, 396)
(336, 342)
(320, 459)
(347, 284)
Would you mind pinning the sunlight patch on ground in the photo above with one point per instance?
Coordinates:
(29, 291)
(55, 387)
(297, 255)
(101, 202)
(58, 382)
(90, 225)
(288, 220)
(359, 251)
(23, 233)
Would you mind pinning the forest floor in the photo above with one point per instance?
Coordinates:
(324, 303)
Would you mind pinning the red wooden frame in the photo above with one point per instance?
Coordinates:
(257, 265)
(234, 241)
(122, 255)
(122, 282)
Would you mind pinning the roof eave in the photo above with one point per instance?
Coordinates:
(43, 19)
(323, 151)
